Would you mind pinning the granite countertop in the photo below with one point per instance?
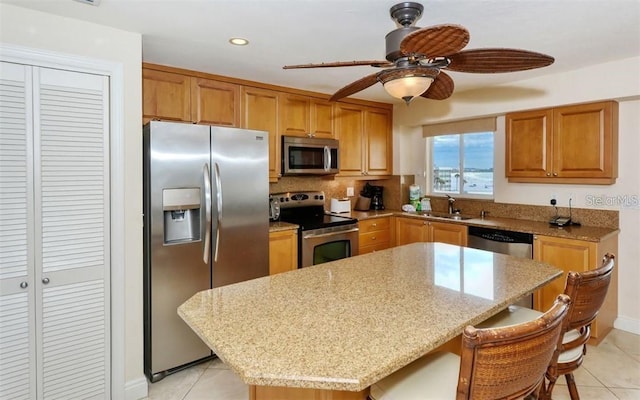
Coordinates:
(277, 226)
(346, 324)
(587, 233)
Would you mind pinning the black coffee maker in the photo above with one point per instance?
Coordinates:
(375, 194)
(376, 200)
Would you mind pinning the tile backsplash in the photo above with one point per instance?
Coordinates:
(394, 188)
(396, 193)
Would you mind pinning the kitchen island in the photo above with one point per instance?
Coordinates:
(331, 330)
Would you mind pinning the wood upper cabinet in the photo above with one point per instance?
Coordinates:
(378, 141)
(215, 103)
(365, 140)
(173, 96)
(306, 116)
(283, 251)
(572, 144)
(349, 131)
(165, 96)
(260, 112)
(578, 256)
(411, 230)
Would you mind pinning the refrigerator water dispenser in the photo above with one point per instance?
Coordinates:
(181, 209)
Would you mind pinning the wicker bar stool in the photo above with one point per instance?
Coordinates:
(495, 363)
(587, 291)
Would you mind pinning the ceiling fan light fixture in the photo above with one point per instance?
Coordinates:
(408, 87)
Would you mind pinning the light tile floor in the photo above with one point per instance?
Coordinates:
(610, 371)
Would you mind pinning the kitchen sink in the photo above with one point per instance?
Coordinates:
(445, 215)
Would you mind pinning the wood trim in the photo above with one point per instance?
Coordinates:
(286, 393)
(585, 181)
(261, 85)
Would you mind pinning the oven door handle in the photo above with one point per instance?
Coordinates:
(313, 236)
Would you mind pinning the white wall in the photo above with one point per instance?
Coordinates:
(614, 80)
(48, 32)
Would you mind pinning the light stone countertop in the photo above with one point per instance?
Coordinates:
(346, 324)
(278, 226)
(587, 233)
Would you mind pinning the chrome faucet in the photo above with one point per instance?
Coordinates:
(451, 203)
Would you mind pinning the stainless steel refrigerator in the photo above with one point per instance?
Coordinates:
(206, 224)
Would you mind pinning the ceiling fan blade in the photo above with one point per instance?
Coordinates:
(381, 64)
(436, 41)
(355, 87)
(497, 60)
(441, 88)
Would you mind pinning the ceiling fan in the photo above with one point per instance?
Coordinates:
(416, 58)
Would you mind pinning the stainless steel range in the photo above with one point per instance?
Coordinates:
(322, 237)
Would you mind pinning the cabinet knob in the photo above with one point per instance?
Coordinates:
(45, 280)
(23, 285)
(548, 173)
(373, 238)
(555, 174)
(374, 225)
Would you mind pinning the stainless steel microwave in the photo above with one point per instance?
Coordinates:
(309, 156)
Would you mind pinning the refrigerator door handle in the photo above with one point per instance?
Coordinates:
(216, 172)
(207, 212)
(327, 158)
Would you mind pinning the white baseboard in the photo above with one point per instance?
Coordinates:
(136, 389)
(627, 324)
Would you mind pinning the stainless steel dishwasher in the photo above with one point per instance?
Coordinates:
(515, 244)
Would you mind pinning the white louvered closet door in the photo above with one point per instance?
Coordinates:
(67, 228)
(17, 333)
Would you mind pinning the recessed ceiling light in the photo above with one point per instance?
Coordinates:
(237, 41)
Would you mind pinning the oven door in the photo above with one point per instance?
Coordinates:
(328, 244)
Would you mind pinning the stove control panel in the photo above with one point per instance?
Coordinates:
(299, 199)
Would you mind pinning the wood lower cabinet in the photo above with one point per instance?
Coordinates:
(215, 103)
(578, 256)
(375, 234)
(411, 230)
(306, 116)
(165, 96)
(283, 251)
(365, 140)
(260, 111)
(571, 144)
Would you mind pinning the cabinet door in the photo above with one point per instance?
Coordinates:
(283, 251)
(17, 282)
(586, 141)
(215, 102)
(349, 130)
(528, 144)
(411, 230)
(448, 233)
(72, 234)
(165, 96)
(378, 143)
(260, 111)
(566, 254)
(295, 114)
(322, 119)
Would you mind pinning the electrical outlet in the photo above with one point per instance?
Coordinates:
(350, 191)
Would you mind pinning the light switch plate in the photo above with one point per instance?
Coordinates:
(350, 191)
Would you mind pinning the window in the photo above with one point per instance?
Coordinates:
(461, 164)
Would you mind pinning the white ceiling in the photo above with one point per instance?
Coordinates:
(193, 34)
